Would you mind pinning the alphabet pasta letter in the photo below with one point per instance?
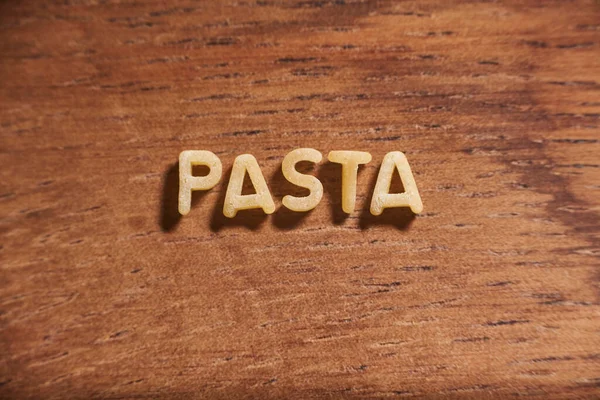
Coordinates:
(188, 182)
(350, 161)
(234, 200)
(306, 181)
(381, 196)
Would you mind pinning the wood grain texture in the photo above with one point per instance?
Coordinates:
(105, 292)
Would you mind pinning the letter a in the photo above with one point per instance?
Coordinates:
(381, 194)
(234, 200)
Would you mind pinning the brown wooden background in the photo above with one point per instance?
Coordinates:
(491, 292)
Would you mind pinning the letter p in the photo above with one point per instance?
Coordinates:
(189, 182)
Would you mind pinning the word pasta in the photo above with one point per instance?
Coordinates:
(247, 164)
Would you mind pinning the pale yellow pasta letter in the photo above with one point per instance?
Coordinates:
(234, 200)
(381, 196)
(288, 167)
(188, 182)
(350, 161)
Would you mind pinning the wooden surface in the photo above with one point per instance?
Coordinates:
(492, 292)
